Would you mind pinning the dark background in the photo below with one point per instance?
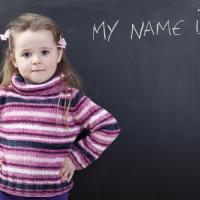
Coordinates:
(151, 85)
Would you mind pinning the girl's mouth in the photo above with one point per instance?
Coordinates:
(38, 70)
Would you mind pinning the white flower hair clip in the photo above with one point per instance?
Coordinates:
(5, 36)
(62, 43)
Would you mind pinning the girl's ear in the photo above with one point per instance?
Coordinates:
(60, 53)
(13, 60)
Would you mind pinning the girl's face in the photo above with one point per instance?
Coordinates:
(36, 55)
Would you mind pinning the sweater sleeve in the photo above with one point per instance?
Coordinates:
(102, 126)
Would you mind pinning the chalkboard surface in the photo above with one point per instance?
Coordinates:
(140, 59)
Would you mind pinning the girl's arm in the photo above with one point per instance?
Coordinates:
(102, 126)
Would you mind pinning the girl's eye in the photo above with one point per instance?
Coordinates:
(45, 52)
(27, 54)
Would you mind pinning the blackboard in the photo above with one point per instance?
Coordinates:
(139, 59)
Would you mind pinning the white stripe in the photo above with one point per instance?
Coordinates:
(95, 145)
(39, 138)
(25, 126)
(85, 109)
(34, 171)
(93, 118)
(11, 94)
(108, 138)
(33, 159)
(34, 114)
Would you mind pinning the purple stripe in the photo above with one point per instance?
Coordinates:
(28, 121)
(96, 152)
(45, 152)
(50, 86)
(84, 160)
(34, 106)
(35, 193)
(79, 104)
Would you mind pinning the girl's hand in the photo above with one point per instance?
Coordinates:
(67, 170)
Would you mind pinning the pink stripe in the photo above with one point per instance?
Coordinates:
(23, 106)
(61, 123)
(77, 165)
(38, 108)
(84, 160)
(22, 179)
(83, 102)
(95, 151)
(102, 121)
(107, 134)
(12, 93)
(36, 120)
(24, 164)
(39, 137)
(87, 116)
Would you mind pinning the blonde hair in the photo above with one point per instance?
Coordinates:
(35, 22)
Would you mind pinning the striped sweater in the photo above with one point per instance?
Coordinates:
(36, 136)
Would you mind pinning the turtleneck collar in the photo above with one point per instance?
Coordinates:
(52, 87)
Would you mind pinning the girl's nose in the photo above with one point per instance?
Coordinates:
(35, 60)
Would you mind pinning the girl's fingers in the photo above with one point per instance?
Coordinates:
(68, 176)
(62, 171)
(71, 173)
(67, 170)
(64, 177)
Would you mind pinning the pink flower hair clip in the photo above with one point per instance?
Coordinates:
(62, 43)
(5, 36)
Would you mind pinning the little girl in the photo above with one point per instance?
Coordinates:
(42, 114)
